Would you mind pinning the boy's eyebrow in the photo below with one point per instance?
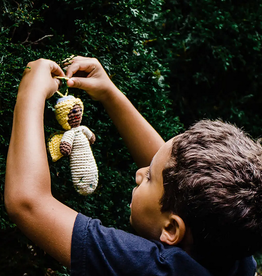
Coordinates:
(150, 166)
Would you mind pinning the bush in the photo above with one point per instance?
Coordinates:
(214, 53)
(115, 34)
(173, 59)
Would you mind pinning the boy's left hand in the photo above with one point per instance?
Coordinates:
(38, 78)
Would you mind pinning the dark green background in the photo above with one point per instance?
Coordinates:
(177, 61)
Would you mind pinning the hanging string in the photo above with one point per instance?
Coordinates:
(62, 78)
(59, 93)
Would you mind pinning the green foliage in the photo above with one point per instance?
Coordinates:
(214, 53)
(114, 33)
(173, 59)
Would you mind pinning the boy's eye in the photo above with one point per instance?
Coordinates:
(80, 109)
(74, 110)
(147, 175)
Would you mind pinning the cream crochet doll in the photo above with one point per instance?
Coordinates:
(75, 142)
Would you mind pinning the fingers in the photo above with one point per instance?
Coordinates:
(44, 64)
(88, 65)
(80, 71)
(40, 75)
(55, 69)
(74, 83)
(80, 83)
(89, 75)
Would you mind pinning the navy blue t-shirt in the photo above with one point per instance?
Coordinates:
(98, 250)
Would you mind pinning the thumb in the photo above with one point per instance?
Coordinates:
(57, 82)
(81, 83)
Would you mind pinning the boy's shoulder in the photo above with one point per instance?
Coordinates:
(108, 251)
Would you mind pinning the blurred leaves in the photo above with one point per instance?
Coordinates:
(177, 61)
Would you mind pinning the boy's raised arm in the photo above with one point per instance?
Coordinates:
(140, 137)
(28, 197)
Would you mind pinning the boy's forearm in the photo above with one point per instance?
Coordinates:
(27, 174)
(28, 198)
(140, 137)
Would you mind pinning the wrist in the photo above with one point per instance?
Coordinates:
(31, 101)
(110, 95)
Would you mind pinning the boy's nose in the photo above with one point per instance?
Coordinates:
(140, 174)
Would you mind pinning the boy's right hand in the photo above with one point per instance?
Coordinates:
(89, 75)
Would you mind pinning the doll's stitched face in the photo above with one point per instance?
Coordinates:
(75, 116)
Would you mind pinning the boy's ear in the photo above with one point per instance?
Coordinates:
(174, 230)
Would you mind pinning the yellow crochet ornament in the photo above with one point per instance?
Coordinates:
(75, 143)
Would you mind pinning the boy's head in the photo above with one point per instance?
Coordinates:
(213, 181)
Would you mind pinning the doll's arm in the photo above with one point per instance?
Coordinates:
(28, 198)
(67, 142)
(92, 139)
(89, 134)
(140, 137)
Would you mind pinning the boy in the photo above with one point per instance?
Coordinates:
(197, 207)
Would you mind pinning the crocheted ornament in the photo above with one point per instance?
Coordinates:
(75, 142)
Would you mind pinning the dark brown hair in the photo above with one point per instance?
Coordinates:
(213, 180)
